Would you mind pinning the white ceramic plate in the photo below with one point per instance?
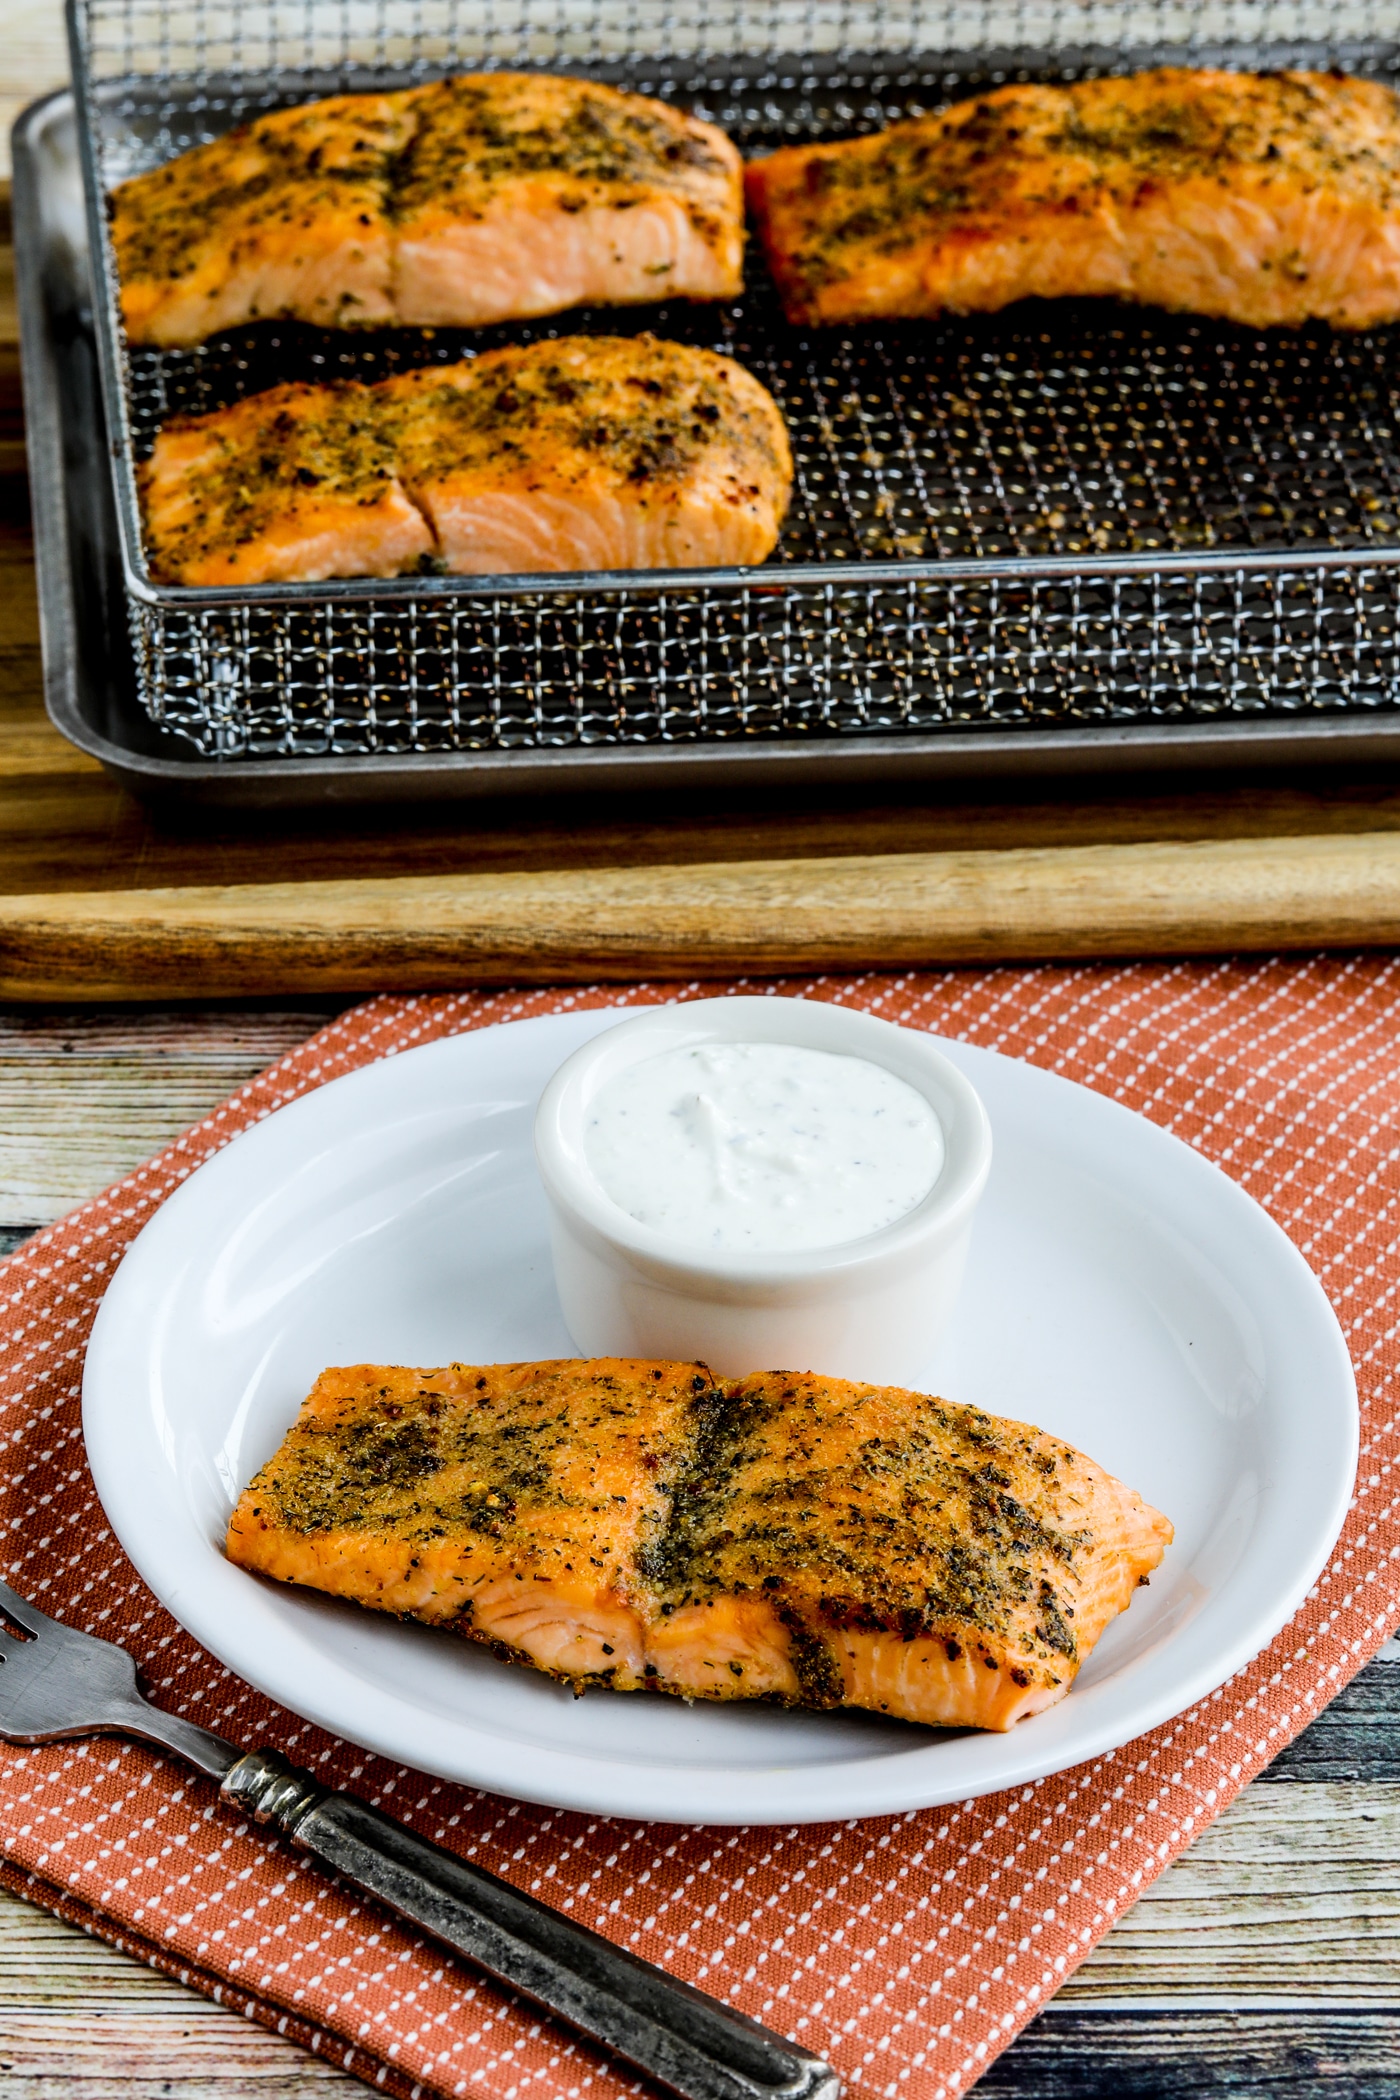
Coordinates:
(1121, 1292)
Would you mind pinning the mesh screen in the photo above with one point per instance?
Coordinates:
(165, 38)
(841, 659)
(1079, 429)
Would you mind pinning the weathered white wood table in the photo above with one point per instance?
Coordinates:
(1265, 1964)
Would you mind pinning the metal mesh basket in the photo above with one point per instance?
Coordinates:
(1067, 513)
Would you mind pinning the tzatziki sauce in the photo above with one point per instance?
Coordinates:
(762, 1147)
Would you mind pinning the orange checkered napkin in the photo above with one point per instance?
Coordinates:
(908, 1949)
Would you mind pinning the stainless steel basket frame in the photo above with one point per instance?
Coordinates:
(813, 647)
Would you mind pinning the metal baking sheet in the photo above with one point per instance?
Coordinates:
(92, 688)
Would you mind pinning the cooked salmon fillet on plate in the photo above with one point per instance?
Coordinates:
(488, 197)
(1260, 198)
(592, 452)
(628, 1524)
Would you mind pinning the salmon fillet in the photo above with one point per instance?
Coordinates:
(792, 1538)
(285, 216)
(1261, 198)
(522, 193)
(294, 485)
(488, 197)
(594, 452)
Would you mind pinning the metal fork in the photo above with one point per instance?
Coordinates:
(56, 1683)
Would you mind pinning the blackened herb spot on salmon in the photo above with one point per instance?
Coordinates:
(1053, 1630)
(818, 1676)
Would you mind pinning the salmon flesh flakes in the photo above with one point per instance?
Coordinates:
(799, 1539)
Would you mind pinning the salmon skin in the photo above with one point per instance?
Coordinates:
(1260, 198)
(792, 1538)
(488, 197)
(593, 452)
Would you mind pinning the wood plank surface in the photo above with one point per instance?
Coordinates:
(85, 1097)
(1291, 1895)
(1208, 2055)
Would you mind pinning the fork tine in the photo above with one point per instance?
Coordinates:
(25, 1615)
(63, 1682)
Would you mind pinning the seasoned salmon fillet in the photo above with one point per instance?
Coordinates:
(792, 1538)
(293, 485)
(1261, 198)
(510, 1502)
(488, 197)
(593, 452)
(523, 193)
(285, 216)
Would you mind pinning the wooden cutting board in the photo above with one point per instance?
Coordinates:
(99, 899)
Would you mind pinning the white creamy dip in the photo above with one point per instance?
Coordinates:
(762, 1147)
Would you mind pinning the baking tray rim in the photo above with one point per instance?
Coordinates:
(419, 778)
(249, 785)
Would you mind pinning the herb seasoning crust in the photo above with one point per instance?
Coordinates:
(593, 452)
(791, 1538)
(487, 197)
(1260, 198)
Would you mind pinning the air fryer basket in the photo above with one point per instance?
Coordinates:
(1064, 514)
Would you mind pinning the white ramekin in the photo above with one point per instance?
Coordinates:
(871, 1309)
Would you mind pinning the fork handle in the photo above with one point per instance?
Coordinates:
(678, 2036)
